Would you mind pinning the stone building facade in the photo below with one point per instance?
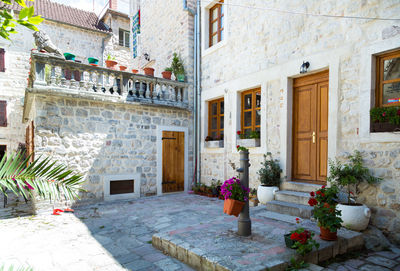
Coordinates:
(103, 137)
(267, 51)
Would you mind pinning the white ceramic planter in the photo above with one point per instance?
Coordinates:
(214, 144)
(249, 143)
(355, 217)
(266, 193)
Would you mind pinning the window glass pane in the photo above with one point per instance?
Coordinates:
(214, 40)
(222, 34)
(214, 14)
(247, 119)
(222, 22)
(214, 135)
(221, 108)
(247, 101)
(214, 123)
(258, 117)
(127, 39)
(214, 27)
(391, 69)
(391, 93)
(222, 9)
(221, 122)
(214, 108)
(258, 99)
(221, 137)
(121, 37)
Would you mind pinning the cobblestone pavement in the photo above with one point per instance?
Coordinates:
(112, 235)
(372, 261)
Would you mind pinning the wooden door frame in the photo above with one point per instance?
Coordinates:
(160, 130)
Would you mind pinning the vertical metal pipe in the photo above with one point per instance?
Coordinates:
(198, 87)
(244, 222)
(195, 142)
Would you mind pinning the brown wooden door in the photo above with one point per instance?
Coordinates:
(310, 128)
(173, 157)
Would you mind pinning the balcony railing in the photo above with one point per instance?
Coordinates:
(55, 74)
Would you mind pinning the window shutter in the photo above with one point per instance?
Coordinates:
(3, 113)
(2, 61)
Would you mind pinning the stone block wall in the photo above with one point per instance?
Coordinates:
(97, 138)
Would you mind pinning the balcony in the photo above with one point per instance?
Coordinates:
(53, 75)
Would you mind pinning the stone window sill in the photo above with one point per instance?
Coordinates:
(214, 144)
(249, 143)
(214, 48)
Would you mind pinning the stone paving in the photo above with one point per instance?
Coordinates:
(115, 235)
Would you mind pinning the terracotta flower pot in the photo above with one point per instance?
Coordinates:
(149, 71)
(135, 71)
(122, 68)
(233, 207)
(111, 64)
(166, 75)
(327, 235)
(289, 242)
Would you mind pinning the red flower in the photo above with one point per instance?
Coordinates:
(323, 186)
(237, 146)
(312, 194)
(398, 112)
(238, 132)
(312, 202)
(297, 220)
(352, 193)
(383, 114)
(294, 236)
(322, 195)
(318, 192)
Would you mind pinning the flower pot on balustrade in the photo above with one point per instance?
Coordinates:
(69, 56)
(135, 71)
(111, 64)
(233, 207)
(122, 68)
(166, 75)
(93, 61)
(180, 77)
(149, 71)
(214, 144)
(249, 142)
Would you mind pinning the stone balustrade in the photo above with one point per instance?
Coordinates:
(50, 73)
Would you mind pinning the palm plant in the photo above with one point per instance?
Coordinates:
(44, 177)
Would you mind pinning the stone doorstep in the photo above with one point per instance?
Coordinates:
(293, 196)
(290, 208)
(347, 241)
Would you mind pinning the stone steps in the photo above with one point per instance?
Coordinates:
(300, 187)
(290, 208)
(293, 196)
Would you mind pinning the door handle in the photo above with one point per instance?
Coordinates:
(313, 137)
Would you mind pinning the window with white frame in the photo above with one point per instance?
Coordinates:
(216, 23)
(124, 38)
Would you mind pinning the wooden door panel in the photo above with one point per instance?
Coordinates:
(322, 159)
(173, 161)
(322, 131)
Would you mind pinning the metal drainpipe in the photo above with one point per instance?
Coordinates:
(195, 142)
(198, 88)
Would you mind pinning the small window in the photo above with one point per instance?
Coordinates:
(3, 151)
(124, 38)
(3, 113)
(216, 119)
(251, 111)
(216, 23)
(388, 79)
(2, 60)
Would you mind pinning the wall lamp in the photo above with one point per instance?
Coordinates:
(304, 67)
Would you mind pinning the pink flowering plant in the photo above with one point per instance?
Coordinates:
(233, 189)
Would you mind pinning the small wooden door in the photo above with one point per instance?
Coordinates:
(173, 157)
(310, 128)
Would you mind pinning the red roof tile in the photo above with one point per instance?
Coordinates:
(62, 13)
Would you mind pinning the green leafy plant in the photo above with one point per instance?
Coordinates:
(324, 201)
(177, 65)
(26, 18)
(169, 69)
(386, 114)
(351, 174)
(248, 134)
(296, 265)
(241, 148)
(44, 177)
(109, 57)
(270, 172)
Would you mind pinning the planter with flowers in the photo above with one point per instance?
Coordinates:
(385, 119)
(249, 139)
(110, 62)
(301, 240)
(324, 201)
(270, 178)
(214, 143)
(348, 177)
(166, 74)
(235, 195)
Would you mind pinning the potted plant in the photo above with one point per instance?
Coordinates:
(253, 200)
(215, 187)
(324, 201)
(93, 61)
(301, 240)
(235, 195)
(249, 139)
(69, 56)
(385, 119)
(110, 62)
(348, 177)
(211, 142)
(135, 71)
(177, 68)
(122, 68)
(270, 178)
(166, 74)
(148, 71)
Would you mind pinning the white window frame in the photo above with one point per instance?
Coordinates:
(125, 32)
(206, 6)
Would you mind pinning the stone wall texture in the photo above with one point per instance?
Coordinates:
(267, 44)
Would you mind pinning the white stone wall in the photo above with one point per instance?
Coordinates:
(98, 139)
(267, 52)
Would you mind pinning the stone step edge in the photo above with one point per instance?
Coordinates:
(290, 204)
(307, 187)
(294, 193)
(196, 257)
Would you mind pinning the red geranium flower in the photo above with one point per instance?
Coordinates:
(352, 193)
(238, 132)
(322, 195)
(312, 202)
(297, 220)
(318, 192)
(312, 194)
(398, 112)
(294, 236)
(383, 114)
(237, 146)
(323, 186)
